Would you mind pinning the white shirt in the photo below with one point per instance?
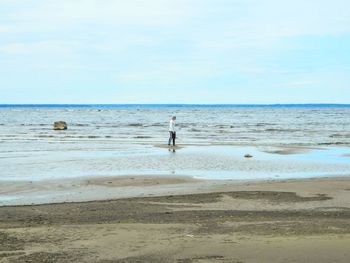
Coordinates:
(172, 126)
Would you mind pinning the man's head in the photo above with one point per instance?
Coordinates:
(173, 118)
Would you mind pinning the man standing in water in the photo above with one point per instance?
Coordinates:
(172, 131)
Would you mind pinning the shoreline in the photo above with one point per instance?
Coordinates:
(269, 221)
(180, 212)
(139, 186)
(161, 171)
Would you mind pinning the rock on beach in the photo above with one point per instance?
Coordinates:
(60, 125)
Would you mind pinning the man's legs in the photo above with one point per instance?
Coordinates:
(170, 137)
(174, 137)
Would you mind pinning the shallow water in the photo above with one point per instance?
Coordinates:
(111, 141)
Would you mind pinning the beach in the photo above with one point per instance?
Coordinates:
(268, 221)
(169, 131)
(242, 185)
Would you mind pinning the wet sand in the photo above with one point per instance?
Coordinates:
(289, 150)
(268, 221)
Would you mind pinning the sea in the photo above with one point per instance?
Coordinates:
(112, 140)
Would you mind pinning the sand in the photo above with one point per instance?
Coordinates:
(267, 221)
(289, 150)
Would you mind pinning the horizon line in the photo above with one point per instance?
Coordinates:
(169, 104)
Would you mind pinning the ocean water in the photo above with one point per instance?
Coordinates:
(121, 140)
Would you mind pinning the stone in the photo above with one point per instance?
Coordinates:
(60, 125)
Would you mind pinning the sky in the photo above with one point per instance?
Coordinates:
(174, 51)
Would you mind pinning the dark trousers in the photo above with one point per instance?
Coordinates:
(172, 137)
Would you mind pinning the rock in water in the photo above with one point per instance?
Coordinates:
(60, 125)
(248, 155)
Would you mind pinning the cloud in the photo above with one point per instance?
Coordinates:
(217, 26)
(299, 18)
(5, 29)
(67, 14)
(187, 44)
(299, 83)
(41, 47)
(239, 19)
(269, 24)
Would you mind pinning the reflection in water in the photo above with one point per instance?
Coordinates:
(211, 162)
